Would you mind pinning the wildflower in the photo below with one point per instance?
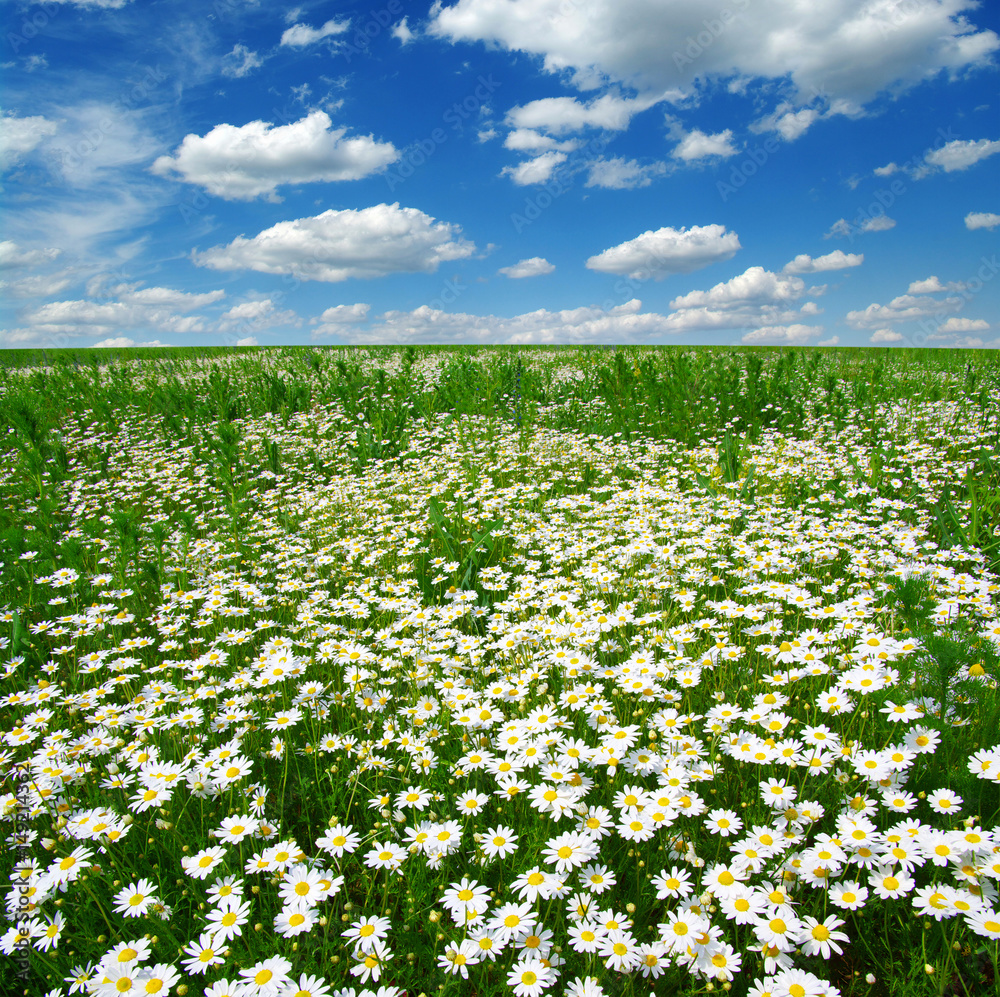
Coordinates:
(471, 802)
(226, 921)
(266, 978)
(371, 962)
(848, 895)
(512, 919)
(203, 954)
(675, 883)
(619, 951)
(458, 956)
(499, 842)
(464, 896)
(235, 829)
(339, 839)
(532, 884)
(302, 886)
(888, 884)
(984, 922)
(529, 978)
(723, 823)
(385, 855)
(798, 983)
(569, 851)
(820, 938)
(779, 931)
(136, 899)
(294, 920)
(943, 801)
(201, 864)
(367, 932)
(597, 878)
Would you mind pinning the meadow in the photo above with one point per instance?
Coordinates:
(489, 671)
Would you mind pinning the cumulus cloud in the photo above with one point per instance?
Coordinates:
(885, 336)
(11, 255)
(402, 32)
(754, 284)
(37, 285)
(256, 316)
(787, 335)
(877, 223)
(837, 260)
(123, 342)
(789, 124)
(959, 155)
(240, 62)
(562, 115)
(955, 324)
(698, 145)
(336, 245)
(668, 251)
(242, 163)
(850, 50)
(528, 140)
(981, 219)
(123, 306)
(533, 267)
(534, 171)
(624, 323)
(339, 320)
(904, 308)
(622, 174)
(19, 136)
(933, 285)
(301, 35)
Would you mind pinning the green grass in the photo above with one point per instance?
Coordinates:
(625, 539)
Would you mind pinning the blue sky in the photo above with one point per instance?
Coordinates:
(483, 171)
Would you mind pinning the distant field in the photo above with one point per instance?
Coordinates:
(485, 670)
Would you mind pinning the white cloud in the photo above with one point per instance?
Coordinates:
(123, 306)
(241, 163)
(256, 316)
(339, 321)
(932, 285)
(837, 260)
(788, 123)
(247, 341)
(534, 171)
(528, 140)
(904, 308)
(698, 145)
(622, 174)
(624, 323)
(301, 35)
(336, 245)
(534, 267)
(887, 170)
(37, 285)
(753, 285)
(560, 115)
(965, 325)
(240, 62)
(832, 341)
(981, 219)
(959, 155)
(668, 251)
(19, 136)
(791, 335)
(850, 50)
(880, 223)
(885, 336)
(123, 342)
(11, 255)
(402, 32)
(810, 308)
